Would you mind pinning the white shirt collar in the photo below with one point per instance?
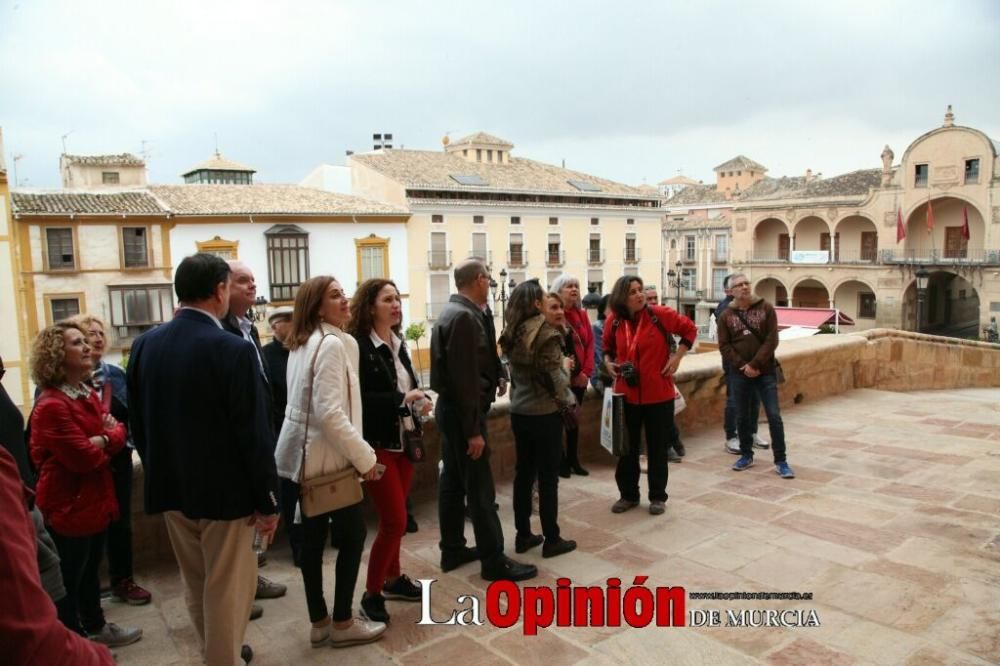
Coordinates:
(204, 312)
(79, 391)
(378, 341)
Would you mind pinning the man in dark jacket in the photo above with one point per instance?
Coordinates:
(748, 337)
(729, 424)
(199, 419)
(466, 374)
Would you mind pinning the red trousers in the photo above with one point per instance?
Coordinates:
(389, 497)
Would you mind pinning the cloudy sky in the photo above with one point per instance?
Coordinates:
(633, 91)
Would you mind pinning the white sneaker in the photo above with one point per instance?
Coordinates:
(360, 632)
(733, 445)
(114, 636)
(760, 442)
(320, 636)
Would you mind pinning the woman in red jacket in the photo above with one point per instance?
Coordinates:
(72, 441)
(568, 287)
(637, 355)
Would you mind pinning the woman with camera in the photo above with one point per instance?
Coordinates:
(393, 405)
(540, 401)
(580, 347)
(321, 436)
(637, 355)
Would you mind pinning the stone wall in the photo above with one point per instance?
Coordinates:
(814, 368)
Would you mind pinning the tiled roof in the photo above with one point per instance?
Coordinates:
(136, 202)
(265, 199)
(218, 163)
(848, 184)
(696, 194)
(679, 180)
(741, 162)
(124, 159)
(697, 223)
(484, 138)
(424, 169)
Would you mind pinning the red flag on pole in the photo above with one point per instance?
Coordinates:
(930, 217)
(900, 229)
(965, 223)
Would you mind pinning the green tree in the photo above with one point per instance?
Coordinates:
(414, 332)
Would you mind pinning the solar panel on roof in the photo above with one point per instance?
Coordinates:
(468, 179)
(584, 186)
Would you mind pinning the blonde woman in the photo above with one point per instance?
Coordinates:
(323, 386)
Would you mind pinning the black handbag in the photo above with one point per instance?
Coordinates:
(412, 440)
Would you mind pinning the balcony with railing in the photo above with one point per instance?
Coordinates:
(486, 256)
(439, 259)
(720, 257)
(595, 256)
(873, 257)
(517, 257)
(631, 255)
(434, 309)
(555, 257)
(942, 257)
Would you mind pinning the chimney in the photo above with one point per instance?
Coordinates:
(809, 175)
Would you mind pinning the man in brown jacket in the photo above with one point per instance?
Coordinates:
(748, 337)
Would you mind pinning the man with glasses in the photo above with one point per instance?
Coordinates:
(729, 424)
(748, 337)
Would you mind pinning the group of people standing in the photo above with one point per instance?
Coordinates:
(231, 434)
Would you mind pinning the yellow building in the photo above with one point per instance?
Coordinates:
(526, 218)
(832, 242)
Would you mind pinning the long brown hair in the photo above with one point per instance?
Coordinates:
(362, 319)
(305, 315)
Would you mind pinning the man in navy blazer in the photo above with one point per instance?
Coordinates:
(199, 419)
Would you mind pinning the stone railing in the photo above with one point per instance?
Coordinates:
(814, 367)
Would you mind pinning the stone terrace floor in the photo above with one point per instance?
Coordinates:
(893, 524)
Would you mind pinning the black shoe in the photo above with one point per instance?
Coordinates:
(411, 524)
(672, 456)
(564, 470)
(256, 611)
(579, 470)
(522, 544)
(246, 654)
(261, 560)
(679, 448)
(373, 607)
(504, 568)
(401, 589)
(454, 559)
(557, 546)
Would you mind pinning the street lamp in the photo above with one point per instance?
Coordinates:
(260, 308)
(923, 277)
(501, 297)
(674, 279)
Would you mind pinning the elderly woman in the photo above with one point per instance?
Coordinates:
(73, 439)
(392, 405)
(321, 435)
(580, 347)
(637, 355)
(539, 393)
(108, 381)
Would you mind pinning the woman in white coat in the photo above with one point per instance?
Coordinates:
(323, 362)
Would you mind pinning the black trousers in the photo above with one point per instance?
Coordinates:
(119, 539)
(536, 441)
(289, 500)
(348, 524)
(572, 455)
(466, 481)
(658, 421)
(79, 558)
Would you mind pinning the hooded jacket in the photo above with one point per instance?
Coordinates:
(536, 369)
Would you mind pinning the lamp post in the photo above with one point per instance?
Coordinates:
(674, 278)
(259, 308)
(501, 297)
(923, 277)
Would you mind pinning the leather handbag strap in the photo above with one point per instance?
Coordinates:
(308, 405)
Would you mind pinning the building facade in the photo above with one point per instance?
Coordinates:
(858, 241)
(527, 219)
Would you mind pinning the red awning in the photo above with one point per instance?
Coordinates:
(810, 317)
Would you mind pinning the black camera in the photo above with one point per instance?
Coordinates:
(629, 373)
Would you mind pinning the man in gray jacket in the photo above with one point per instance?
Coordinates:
(466, 374)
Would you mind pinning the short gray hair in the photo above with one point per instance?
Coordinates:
(562, 281)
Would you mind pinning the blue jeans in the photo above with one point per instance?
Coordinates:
(765, 388)
(732, 413)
